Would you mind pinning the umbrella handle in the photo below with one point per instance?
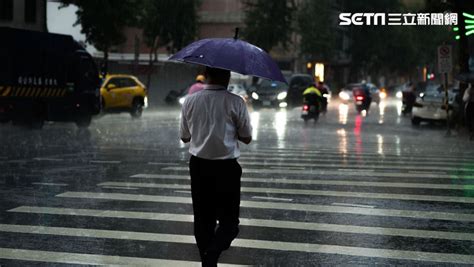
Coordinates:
(236, 36)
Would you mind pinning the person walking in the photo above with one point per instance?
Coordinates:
(198, 85)
(468, 99)
(213, 121)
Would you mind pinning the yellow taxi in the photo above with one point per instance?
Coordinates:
(123, 93)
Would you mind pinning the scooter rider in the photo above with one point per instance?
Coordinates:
(324, 90)
(312, 95)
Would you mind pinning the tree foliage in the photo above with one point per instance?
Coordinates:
(103, 21)
(316, 27)
(169, 22)
(268, 23)
(400, 49)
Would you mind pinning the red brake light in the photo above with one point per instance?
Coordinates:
(305, 107)
(359, 98)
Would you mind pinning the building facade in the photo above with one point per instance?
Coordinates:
(23, 14)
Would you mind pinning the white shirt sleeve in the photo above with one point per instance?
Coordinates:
(244, 127)
(184, 128)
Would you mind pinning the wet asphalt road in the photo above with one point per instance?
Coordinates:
(348, 190)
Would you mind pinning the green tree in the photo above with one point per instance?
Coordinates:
(171, 23)
(268, 23)
(316, 26)
(103, 21)
(391, 49)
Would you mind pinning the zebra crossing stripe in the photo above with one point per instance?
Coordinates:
(362, 167)
(246, 243)
(338, 173)
(308, 226)
(309, 192)
(89, 259)
(430, 215)
(350, 161)
(355, 153)
(338, 156)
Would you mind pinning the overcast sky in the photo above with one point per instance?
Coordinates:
(62, 20)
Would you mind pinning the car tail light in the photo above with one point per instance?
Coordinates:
(305, 107)
(359, 98)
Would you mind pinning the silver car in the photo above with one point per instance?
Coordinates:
(429, 105)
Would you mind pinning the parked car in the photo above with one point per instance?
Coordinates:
(297, 84)
(238, 89)
(429, 105)
(123, 93)
(268, 93)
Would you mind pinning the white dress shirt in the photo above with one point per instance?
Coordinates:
(214, 118)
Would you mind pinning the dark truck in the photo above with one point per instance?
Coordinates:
(46, 77)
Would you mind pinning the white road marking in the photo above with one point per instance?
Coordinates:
(290, 168)
(252, 222)
(310, 192)
(351, 167)
(163, 163)
(353, 205)
(88, 259)
(354, 154)
(120, 187)
(105, 161)
(356, 170)
(182, 191)
(48, 159)
(431, 215)
(350, 160)
(332, 182)
(51, 184)
(246, 243)
(273, 198)
(341, 173)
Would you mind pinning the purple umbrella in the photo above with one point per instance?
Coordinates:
(231, 54)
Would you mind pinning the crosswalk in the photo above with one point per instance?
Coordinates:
(299, 208)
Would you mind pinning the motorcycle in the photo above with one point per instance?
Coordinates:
(362, 103)
(408, 101)
(310, 111)
(324, 103)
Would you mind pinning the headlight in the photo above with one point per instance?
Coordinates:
(255, 96)
(281, 96)
(344, 96)
(399, 94)
(181, 100)
(145, 102)
(383, 95)
(422, 95)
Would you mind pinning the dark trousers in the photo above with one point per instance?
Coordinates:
(215, 188)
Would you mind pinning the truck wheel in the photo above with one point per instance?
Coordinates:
(84, 121)
(137, 109)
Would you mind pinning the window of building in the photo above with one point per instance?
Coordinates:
(6, 10)
(30, 11)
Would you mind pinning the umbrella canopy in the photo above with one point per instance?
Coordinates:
(231, 54)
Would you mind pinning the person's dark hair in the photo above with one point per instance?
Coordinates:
(218, 76)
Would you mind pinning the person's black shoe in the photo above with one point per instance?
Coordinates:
(211, 258)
